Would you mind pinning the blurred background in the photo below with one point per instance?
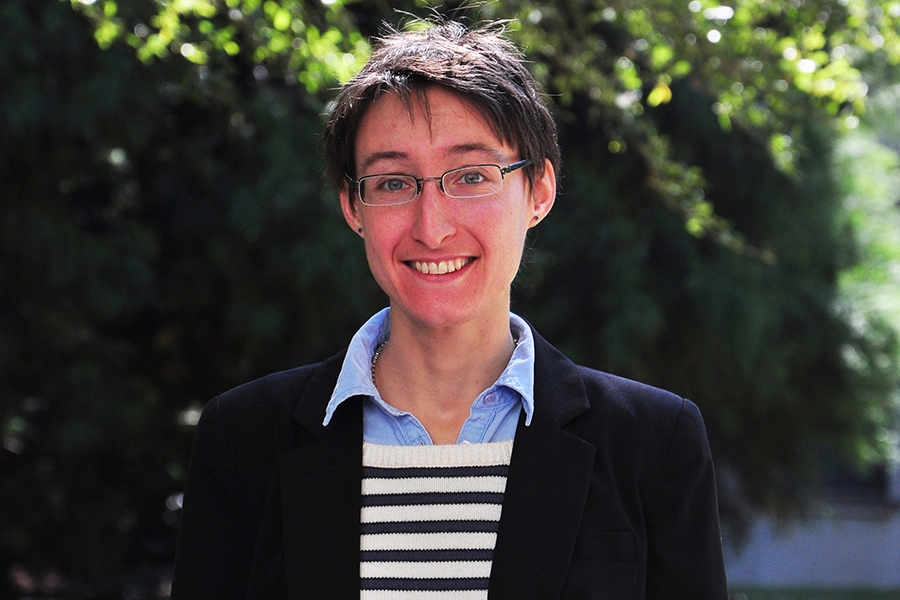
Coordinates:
(728, 228)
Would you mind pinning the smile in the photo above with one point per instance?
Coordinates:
(441, 268)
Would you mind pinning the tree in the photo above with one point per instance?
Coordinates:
(165, 236)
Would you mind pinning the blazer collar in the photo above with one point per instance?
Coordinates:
(542, 506)
(310, 410)
(559, 392)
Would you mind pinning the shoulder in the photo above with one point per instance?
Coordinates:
(614, 395)
(568, 392)
(263, 411)
(272, 396)
(274, 393)
(622, 401)
(636, 423)
(644, 426)
(623, 415)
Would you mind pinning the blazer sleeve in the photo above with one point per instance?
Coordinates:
(684, 540)
(215, 540)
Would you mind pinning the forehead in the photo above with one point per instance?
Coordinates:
(433, 122)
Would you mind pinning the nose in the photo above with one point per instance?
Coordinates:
(434, 217)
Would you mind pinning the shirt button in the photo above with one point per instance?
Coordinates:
(490, 400)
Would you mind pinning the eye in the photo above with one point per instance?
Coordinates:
(474, 181)
(390, 188)
(472, 177)
(391, 184)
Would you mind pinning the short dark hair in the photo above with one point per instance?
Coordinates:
(479, 64)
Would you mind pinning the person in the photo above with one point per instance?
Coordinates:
(449, 452)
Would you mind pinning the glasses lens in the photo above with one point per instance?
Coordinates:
(385, 190)
(474, 181)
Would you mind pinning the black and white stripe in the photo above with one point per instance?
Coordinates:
(429, 519)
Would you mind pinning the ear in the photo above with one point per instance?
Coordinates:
(543, 194)
(349, 208)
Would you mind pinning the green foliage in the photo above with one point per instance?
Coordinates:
(304, 41)
(166, 234)
(755, 61)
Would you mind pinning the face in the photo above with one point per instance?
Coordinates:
(443, 261)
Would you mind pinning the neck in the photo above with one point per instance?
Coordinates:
(436, 373)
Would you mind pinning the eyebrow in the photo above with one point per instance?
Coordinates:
(461, 149)
(457, 150)
(377, 156)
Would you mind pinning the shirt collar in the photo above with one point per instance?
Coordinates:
(355, 378)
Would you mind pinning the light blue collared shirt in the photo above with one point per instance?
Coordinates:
(494, 414)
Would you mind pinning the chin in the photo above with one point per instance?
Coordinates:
(442, 315)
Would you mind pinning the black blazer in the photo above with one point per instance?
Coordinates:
(611, 494)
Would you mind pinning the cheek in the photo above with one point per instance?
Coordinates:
(380, 242)
(509, 241)
(374, 253)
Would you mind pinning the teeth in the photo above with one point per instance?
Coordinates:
(440, 268)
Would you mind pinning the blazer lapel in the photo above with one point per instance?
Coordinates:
(321, 497)
(549, 477)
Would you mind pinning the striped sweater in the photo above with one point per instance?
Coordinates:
(429, 519)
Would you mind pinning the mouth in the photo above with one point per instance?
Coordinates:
(440, 267)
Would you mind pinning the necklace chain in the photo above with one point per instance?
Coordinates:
(375, 356)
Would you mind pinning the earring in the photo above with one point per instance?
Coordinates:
(359, 230)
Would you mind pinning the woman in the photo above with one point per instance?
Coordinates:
(450, 452)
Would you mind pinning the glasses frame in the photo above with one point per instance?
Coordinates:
(420, 181)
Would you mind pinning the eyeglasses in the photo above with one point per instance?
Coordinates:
(475, 181)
